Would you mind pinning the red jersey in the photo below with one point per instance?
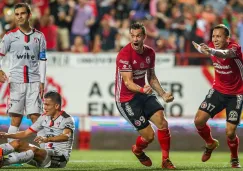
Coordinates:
(128, 60)
(229, 71)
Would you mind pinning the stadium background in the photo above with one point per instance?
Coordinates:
(82, 47)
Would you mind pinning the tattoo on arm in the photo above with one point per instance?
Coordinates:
(154, 82)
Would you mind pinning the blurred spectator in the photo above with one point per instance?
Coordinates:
(60, 9)
(104, 7)
(83, 19)
(237, 5)
(49, 29)
(122, 8)
(240, 30)
(106, 37)
(140, 9)
(124, 33)
(79, 46)
(217, 5)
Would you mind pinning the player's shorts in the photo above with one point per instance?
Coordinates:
(51, 161)
(24, 98)
(215, 102)
(139, 110)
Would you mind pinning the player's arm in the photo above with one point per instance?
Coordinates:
(18, 135)
(226, 53)
(67, 132)
(155, 84)
(42, 67)
(4, 48)
(128, 81)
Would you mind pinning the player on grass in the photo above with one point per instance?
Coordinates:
(59, 135)
(226, 93)
(134, 99)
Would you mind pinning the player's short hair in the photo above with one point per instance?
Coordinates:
(20, 5)
(137, 25)
(224, 27)
(54, 96)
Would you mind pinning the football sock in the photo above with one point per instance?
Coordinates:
(205, 133)
(7, 148)
(164, 141)
(12, 129)
(234, 146)
(141, 144)
(22, 157)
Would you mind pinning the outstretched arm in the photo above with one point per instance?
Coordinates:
(203, 48)
(18, 135)
(154, 83)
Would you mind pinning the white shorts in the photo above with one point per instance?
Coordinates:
(24, 98)
(52, 160)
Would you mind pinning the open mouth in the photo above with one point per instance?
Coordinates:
(135, 45)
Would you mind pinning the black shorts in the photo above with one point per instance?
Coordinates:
(139, 110)
(216, 102)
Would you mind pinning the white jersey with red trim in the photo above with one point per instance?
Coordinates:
(25, 51)
(54, 128)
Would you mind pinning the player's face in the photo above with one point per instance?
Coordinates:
(50, 107)
(137, 38)
(21, 16)
(219, 38)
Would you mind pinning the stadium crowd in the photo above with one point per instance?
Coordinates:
(103, 25)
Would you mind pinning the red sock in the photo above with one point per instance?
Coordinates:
(205, 133)
(164, 141)
(141, 144)
(234, 146)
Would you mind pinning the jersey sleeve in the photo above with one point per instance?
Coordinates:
(37, 126)
(5, 45)
(123, 62)
(236, 49)
(69, 123)
(42, 55)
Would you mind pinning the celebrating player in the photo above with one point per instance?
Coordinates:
(226, 93)
(134, 99)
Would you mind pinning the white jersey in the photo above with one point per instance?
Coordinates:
(24, 52)
(54, 128)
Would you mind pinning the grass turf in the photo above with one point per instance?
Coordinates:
(111, 160)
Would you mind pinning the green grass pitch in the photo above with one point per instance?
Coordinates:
(125, 161)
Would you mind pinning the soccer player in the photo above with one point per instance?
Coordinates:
(134, 98)
(226, 93)
(59, 135)
(26, 48)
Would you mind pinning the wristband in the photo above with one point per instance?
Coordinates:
(141, 90)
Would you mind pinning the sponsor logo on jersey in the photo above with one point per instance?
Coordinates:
(203, 105)
(137, 123)
(26, 56)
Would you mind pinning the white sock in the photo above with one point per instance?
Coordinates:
(12, 129)
(42, 134)
(7, 148)
(22, 157)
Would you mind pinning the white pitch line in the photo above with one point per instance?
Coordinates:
(100, 161)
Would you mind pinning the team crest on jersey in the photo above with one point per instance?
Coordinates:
(148, 60)
(233, 116)
(36, 40)
(203, 105)
(142, 65)
(137, 123)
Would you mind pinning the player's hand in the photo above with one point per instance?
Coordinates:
(40, 139)
(147, 89)
(202, 48)
(42, 88)
(168, 97)
(3, 76)
(2, 135)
